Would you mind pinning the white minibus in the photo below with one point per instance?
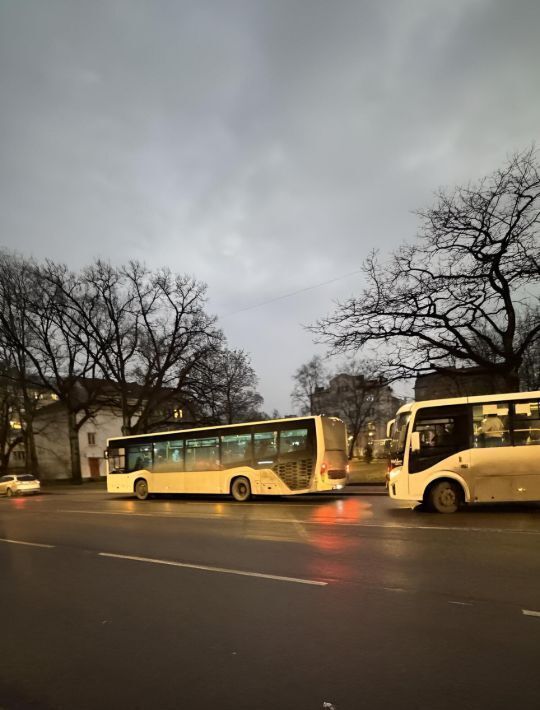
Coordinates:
(479, 449)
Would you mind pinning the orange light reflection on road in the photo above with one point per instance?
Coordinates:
(334, 542)
(350, 510)
(19, 503)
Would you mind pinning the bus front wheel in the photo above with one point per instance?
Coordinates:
(444, 497)
(240, 489)
(141, 489)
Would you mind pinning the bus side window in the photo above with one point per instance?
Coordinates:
(235, 450)
(139, 457)
(490, 425)
(265, 447)
(293, 441)
(443, 432)
(526, 423)
(202, 454)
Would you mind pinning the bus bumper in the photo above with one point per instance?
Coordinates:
(398, 485)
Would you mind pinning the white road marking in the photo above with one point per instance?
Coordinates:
(336, 523)
(394, 589)
(529, 612)
(461, 603)
(223, 570)
(22, 542)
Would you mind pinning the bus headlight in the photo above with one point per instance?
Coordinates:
(394, 473)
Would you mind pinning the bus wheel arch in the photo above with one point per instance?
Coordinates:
(444, 495)
(140, 488)
(240, 488)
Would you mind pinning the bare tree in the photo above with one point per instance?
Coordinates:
(455, 296)
(227, 388)
(18, 284)
(354, 395)
(307, 380)
(148, 330)
(61, 353)
(530, 368)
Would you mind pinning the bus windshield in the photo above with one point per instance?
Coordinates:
(399, 434)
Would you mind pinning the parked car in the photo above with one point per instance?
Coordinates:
(16, 484)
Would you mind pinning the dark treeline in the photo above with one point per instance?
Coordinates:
(126, 337)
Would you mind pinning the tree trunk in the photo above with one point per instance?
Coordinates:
(74, 448)
(31, 453)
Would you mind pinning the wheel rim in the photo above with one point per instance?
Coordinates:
(9, 493)
(447, 498)
(142, 488)
(241, 490)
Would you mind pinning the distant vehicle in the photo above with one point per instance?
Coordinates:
(272, 457)
(19, 484)
(470, 449)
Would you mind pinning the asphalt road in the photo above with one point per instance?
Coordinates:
(350, 600)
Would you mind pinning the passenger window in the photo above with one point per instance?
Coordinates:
(139, 457)
(202, 454)
(293, 441)
(236, 450)
(490, 425)
(526, 423)
(265, 447)
(443, 432)
(168, 456)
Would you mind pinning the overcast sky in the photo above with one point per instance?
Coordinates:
(262, 146)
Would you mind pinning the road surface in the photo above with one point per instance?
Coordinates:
(350, 600)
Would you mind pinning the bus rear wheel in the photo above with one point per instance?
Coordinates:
(141, 489)
(241, 489)
(444, 497)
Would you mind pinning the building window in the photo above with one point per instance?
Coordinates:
(91, 438)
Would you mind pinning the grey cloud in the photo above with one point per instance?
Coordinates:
(261, 146)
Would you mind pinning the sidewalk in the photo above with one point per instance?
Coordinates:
(367, 473)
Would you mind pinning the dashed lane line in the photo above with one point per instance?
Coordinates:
(222, 570)
(530, 612)
(23, 542)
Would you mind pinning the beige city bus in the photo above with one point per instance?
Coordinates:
(480, 449)
(271, 457)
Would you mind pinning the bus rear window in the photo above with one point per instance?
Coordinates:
(335, 435)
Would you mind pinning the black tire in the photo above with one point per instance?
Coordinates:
(141, 489)
(9, 493)
(444, 497)
(241, 489)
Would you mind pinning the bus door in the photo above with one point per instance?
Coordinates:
(202, 472)
(506, 453)
(168, 467)
(492, 458)
(526, 454)
(444, 441)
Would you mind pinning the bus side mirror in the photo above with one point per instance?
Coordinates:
(415, 441)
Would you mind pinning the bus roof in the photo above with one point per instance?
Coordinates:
(478, 398)
(213, 427)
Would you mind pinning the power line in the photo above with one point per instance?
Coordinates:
(293, 293)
